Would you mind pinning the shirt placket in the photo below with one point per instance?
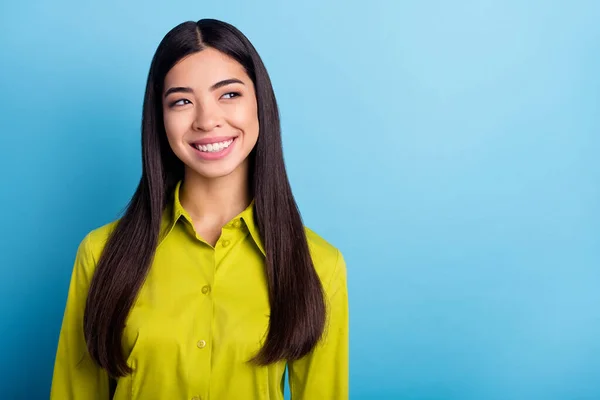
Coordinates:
(202, 347)
(232, 233)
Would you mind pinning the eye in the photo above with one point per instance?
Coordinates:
(231, 95)
(179, 103)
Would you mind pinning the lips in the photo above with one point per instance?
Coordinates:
(212, 140)
(214, 150)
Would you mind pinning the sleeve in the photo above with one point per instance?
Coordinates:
(76, 376)
(323, 373)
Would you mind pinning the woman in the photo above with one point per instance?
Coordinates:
(209, 286)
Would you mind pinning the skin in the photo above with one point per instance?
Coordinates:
(213, 191)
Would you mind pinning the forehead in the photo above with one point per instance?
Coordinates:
(203, 69)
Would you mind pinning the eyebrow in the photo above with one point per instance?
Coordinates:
(220, 84)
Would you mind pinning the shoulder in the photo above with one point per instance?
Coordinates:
(327, 259)
(94, 241)
(88, 253)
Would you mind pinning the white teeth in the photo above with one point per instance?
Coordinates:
(214, 147)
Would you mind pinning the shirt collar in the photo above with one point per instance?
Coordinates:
(175, 210)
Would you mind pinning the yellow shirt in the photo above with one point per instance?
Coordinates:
(201, 314)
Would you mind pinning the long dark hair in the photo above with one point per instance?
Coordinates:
(297, 315)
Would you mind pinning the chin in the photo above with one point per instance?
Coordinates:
(214, 171)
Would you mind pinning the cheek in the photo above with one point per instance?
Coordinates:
(246, 118)
(175, 125)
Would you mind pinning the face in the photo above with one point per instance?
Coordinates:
(210, 113)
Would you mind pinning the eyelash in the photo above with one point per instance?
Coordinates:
(236, 94)
(174, 103)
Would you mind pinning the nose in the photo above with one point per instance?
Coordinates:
(208, 117)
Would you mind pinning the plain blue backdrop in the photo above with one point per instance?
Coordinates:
(449, 149)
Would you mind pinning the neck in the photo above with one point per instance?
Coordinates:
(215, 200)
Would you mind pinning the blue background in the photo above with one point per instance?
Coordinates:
(449, 149)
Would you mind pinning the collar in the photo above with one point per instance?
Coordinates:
(174, 211)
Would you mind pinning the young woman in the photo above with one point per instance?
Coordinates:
(209, 286)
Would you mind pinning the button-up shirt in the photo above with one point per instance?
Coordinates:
(200, 316)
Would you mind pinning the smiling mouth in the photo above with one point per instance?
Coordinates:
(213, 147)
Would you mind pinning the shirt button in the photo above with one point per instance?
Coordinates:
(237, 223)
(201, 344)
(196, 398)
(226, 243)
(205, 289)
